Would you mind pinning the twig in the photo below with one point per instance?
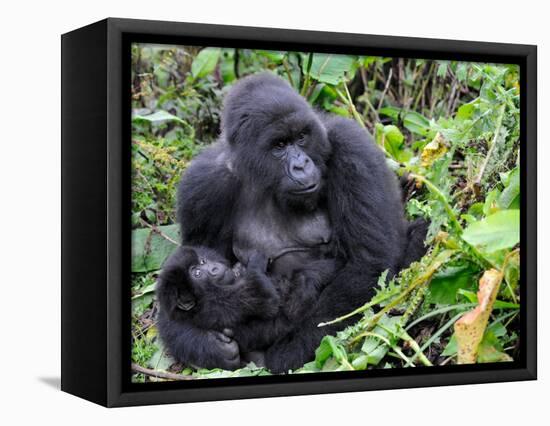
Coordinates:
(386, 87)
(287, 70)
(158, 231)
(424, 85)
(160, 374)
(308, 76)
(349, 103)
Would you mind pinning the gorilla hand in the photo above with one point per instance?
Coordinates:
(226, 348)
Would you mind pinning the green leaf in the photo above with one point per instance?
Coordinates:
(227, 65)
(157, 117)
(391, 137)
(509, 198)
(329, 68)
(416, 123)
(160, 359)
(445, 284)
(150, 248)
(272, 55)
(466, 111)
(391, 112)
(496, 232)
(451, 348)
(375, 348)
(491, 202)
(205, 62)
(329, 347)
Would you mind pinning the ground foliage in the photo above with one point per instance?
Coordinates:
(450, 131)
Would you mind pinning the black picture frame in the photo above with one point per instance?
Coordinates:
(95, 292)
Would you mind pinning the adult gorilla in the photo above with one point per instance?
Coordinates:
(298, 186)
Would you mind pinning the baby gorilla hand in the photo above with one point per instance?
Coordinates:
(226, 349)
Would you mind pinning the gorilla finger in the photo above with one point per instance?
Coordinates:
(228, 332)
(222, 337)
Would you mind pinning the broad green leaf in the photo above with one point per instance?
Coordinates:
(490, 349)
(496, 232)
(150, 248)
(374, 347)
(329, 347)
(509, 198)
(272, 55)
(491, 202)
(416, 123)
(390, 137)
(451, 348)
(160, 359)
(141, 304)
(329, 68)
(205, 62)
(466, 111)
(391, 112)
(157, 117)
(445, 284)
(227, 65)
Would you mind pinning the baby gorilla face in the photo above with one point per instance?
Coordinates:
(208, 272)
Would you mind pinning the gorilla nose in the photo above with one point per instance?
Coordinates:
(214, 270)
(300, 165)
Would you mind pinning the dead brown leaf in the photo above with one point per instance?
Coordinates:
(470, 327)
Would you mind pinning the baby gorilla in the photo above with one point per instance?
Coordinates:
(243, 310)
(197, 286)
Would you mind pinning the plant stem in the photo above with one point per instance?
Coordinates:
(437, 192)
(287, 70)
(425, 277)
(348, 101)
(493, 144)
(308, 76)
(373, 302)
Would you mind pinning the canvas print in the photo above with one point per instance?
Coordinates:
(305, 212)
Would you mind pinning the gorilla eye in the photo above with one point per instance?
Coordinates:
(202, 261)
(280, 144)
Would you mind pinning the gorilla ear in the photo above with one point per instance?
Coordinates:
(174, 289)
(185, 300)
(233, 124)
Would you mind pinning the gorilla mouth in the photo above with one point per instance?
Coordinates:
(307, 190)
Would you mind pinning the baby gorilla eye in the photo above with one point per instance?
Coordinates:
(202, 261)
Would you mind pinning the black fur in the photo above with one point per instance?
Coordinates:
(220, 302)
(243, 194)
(239, 304)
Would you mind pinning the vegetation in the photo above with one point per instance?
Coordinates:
(449, 129)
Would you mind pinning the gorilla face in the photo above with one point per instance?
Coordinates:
(207, 272)
(196, 269)
(279, 145)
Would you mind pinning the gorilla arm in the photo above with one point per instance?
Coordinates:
(205, 201)
(206, 196)
(369, 231)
